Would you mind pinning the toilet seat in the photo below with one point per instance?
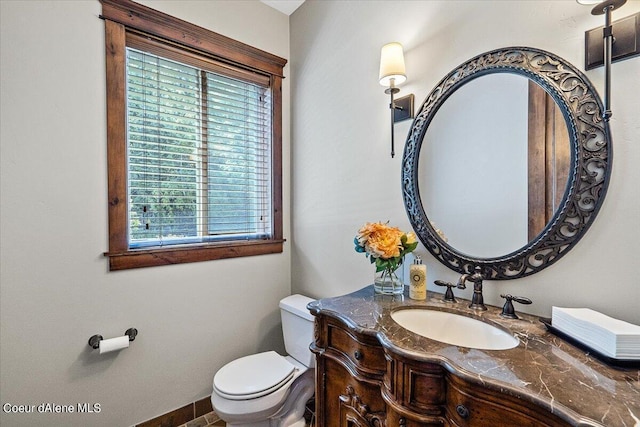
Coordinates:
(253, 376)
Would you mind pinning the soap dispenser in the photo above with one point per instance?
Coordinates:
(418, 275)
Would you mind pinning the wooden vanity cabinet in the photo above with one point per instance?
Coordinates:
(359, 384)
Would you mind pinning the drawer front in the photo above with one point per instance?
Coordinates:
(398, 420)
(470, 406)
(367, 358)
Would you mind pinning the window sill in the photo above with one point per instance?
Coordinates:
(180, 254)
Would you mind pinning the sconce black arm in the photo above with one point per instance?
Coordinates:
(392, 106)
(606, 7)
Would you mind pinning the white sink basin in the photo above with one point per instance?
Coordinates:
(454, 329)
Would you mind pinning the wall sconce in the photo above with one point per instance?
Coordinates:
(392, 73)
(620, 40)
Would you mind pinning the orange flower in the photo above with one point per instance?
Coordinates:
(384, 245)
(380, 240)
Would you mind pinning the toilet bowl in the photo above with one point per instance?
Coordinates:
(268, 389)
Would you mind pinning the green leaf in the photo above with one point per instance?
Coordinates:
(409, 248)
(381, 264)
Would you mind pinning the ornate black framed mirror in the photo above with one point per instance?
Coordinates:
(572, 192)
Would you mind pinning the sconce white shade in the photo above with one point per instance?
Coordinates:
(392, 64)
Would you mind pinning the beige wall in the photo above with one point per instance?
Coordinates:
(343, 175)
(55, 288)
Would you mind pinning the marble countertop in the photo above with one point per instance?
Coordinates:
(543, 368)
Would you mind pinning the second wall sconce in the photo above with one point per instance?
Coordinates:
(392, 73)
(613, 42)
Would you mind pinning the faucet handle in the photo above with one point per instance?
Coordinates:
(448, 295)
(507, 310)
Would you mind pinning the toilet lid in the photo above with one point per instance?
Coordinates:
(253, 376)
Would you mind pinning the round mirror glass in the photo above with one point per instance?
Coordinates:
(506, 163)
(492, 184)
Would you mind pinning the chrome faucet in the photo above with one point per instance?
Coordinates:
(477, 301)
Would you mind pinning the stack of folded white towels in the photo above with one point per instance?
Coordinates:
(608, 336)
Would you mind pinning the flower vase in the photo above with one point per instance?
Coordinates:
(387, 282)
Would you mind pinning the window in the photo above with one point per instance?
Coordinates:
(198, 154)
(194, 142)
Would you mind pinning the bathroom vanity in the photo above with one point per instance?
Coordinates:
(370, 371)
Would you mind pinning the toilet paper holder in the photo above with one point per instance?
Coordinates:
(94, 341)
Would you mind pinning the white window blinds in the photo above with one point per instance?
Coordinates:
(199, 153)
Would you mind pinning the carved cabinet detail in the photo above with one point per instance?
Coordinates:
(354, 412)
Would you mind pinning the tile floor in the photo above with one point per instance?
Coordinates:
(211, 419)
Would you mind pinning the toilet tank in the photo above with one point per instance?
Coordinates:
(297, 328)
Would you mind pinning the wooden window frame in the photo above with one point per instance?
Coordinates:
(125, 16)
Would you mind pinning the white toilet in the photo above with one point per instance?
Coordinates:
(267, 389)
